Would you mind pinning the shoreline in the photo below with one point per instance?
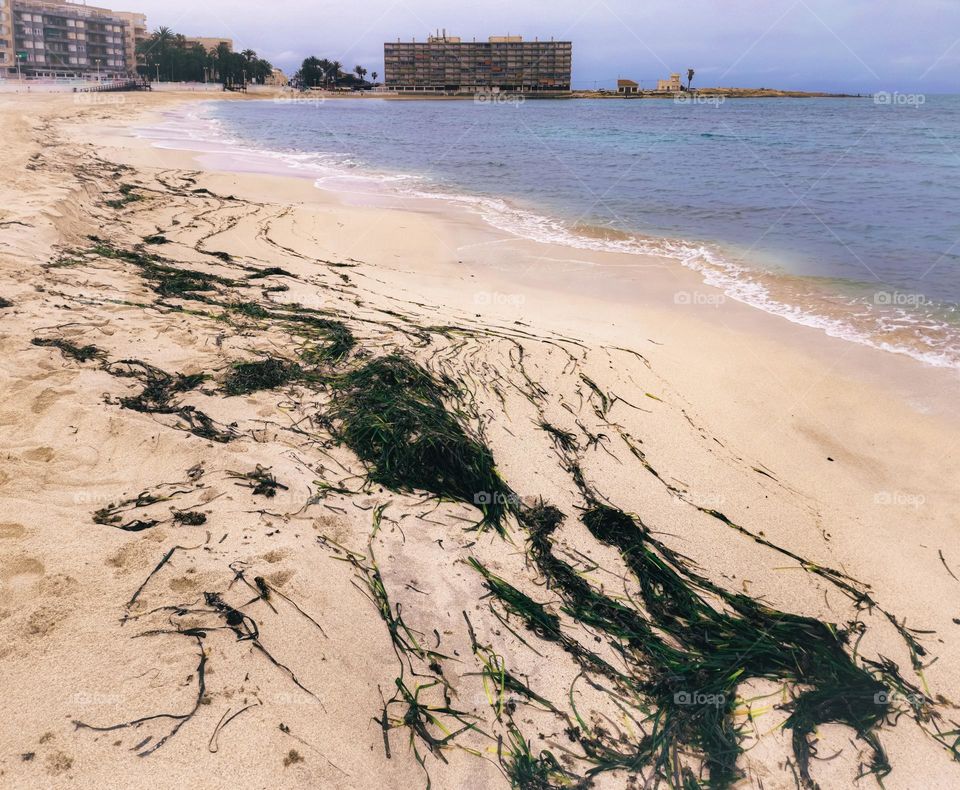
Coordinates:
(809, 442)
(714, 288)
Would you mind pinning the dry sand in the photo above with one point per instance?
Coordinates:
(842, 455)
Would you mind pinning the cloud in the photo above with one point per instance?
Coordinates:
(854, 45)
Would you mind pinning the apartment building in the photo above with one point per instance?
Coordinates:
(7, 52)
(137, 33)
(450, 65)
(61, 39)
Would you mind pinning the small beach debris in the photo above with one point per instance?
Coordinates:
(292, 758)
(944, 561)
(261, 481)
(189, 518)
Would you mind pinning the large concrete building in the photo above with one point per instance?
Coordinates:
(449, 65)
(61, 39)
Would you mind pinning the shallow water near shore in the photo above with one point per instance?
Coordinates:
(833, 213)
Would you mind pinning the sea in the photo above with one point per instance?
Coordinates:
(836, 213)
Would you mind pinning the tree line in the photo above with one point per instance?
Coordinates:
(167, 55)
(323, 73)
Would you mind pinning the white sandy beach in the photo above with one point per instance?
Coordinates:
(840, 454)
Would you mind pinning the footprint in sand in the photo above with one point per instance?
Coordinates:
(20, 574)
(11, 531)
(47, 398)
(43, 454)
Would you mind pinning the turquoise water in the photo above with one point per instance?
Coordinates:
(838, 213)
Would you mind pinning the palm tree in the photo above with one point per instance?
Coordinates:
(335, 68)
(156, 50)
(163, 37)
(360, 71)
(249, 55)
(690, 73)
(374, 76)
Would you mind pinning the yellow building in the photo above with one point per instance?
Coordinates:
(278, 79)
(673, 84)
(136, 34)
(209, 44)
(7, 52)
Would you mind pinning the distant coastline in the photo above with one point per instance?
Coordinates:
(726, 93)
(702, 94)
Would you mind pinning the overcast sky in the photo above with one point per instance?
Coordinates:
(849, 45)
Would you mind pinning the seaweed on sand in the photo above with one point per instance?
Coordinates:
(159, 396)
(5, 303)
(267, 374)
(127, 195)
(504, 690)
(166, 280)
(271, 271)
(529, 771)
(436, 724)
(149, 746)
(79, 353)
(540, 622)
(160, 387)
(261, 481)
(250, 310)
(189, 518)
(686, 647)
(339, 343)
(338, 339)
(391, 413)
(699, 652)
